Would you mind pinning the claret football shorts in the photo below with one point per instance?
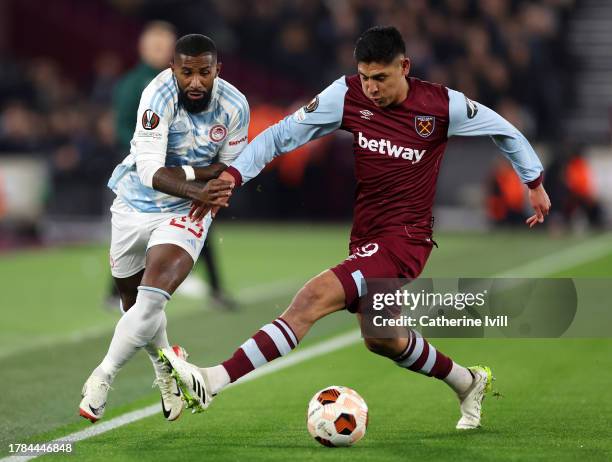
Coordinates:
(133, 233)
(386, 257)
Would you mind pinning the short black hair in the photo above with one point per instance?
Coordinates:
(195, 45)
(380, 44)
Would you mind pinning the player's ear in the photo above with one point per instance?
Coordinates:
(219, 65)
(405, 66)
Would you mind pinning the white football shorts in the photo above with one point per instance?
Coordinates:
(133, 233)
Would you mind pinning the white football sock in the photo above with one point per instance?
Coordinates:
(160, 340)
(135, 329)
(218, 378)
(459, 379)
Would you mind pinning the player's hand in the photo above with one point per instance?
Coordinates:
(227, 177)
(541, 205)
(212, 171)
(214, 194)
(223, 191)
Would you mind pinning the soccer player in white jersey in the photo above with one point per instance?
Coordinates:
(187, 117)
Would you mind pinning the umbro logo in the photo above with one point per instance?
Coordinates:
(367, 115)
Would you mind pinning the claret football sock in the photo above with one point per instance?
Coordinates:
(420, 356)
(135, 329)
(270, 342)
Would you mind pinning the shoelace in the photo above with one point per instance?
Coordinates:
(106, 385)
(101, 384)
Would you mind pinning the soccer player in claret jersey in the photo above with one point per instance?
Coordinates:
(187, 117)
(400, 126)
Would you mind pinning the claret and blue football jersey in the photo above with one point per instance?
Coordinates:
(398, 150)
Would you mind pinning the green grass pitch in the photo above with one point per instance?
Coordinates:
(556, 402)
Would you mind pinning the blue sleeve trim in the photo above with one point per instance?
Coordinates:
(469, 118)
(318, 118)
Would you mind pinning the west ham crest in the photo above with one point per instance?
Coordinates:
(424, 125)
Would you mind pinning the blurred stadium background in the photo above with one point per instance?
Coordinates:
(544, 65)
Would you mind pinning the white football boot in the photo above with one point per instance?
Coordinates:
(171, 402)
(471, 400)
(94, 393)
(194, 387)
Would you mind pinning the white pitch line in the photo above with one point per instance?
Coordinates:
(333, 344)
(575, 255)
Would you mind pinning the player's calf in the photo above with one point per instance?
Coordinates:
(422, 357)
(269, 343)
(387, 347)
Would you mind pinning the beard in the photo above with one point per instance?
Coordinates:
(193, 106)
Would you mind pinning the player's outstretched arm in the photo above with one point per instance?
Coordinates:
(320, 117)
(469, 118)
(283, 137)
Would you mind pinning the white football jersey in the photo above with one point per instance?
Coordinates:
(165, 131)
